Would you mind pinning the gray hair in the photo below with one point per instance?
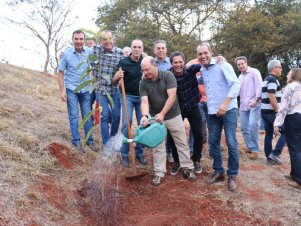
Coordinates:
(272, 64)
(204, 44)
(160, 41)
(135, 40)
(241, 58)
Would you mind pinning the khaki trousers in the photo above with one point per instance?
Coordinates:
(177, 131)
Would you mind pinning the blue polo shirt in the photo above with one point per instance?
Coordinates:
(220, 82)
(73, 64)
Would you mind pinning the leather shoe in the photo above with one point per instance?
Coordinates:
(141, 160)
(216, 177)
(232, 186)
(253, 155)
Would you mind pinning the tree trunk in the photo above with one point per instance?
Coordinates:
(47, 59)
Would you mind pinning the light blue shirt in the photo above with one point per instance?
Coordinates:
(164, 65)
(220, 82)
(70, 66)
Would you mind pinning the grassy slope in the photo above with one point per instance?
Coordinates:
(32, 116)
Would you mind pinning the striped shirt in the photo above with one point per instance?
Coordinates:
(105, 67)
(270, 85)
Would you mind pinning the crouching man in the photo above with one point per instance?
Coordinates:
(158, 91)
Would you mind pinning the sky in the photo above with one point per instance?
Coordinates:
(20, 48)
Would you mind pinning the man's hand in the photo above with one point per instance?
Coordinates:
(253, 103)
(220, 59)
(222, 110)
(160, 118)
(119, 74)
(63, 96)
(276, 130)
(144, 121)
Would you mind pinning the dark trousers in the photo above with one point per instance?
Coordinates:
(269, 118)
(292, 125)
(195, 120)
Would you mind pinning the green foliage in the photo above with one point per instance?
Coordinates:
(267, 30)
(180, 23)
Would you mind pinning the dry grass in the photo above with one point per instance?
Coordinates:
(32, 116)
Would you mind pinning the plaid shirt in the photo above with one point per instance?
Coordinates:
(106, 65)
(187, 88)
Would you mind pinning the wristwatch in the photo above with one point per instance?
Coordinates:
(144, 116)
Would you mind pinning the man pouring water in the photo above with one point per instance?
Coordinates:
(159, 99)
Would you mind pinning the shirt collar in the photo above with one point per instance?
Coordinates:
(166, 59)
(74, 51)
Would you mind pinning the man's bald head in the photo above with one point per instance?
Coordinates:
(149, 68)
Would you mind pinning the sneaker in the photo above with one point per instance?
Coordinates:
(157, 180)
(253, 155)
(79, 148)
(270, 162)
(197, 167)
(189, 174)
(125, 161)
(93, 147)
(175, 169)
(277, 159)
(170, 158)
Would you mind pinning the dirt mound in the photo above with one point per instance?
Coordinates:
(65, 157)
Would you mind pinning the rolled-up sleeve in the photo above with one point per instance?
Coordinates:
(231, 79)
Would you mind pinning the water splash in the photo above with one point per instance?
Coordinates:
(112, 148)
(102, 185)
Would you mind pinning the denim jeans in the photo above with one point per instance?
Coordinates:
(204, 113)
(269, 118)
(105, 121)
(133, 102)
(249, 128)
(195, 120)
(292, 125)
(215, 126)
(83, 99)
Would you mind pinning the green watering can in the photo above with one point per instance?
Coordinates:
(150, 136)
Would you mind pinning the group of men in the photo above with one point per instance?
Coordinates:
(168, 89)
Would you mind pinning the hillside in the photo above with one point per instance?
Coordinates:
(44, 181)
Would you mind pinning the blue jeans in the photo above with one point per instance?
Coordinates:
(215, 126)
(133, 102)
(269, 118)
(83, 99)
(292, 125)
(204, 113)
(105, 115)
(249, 128)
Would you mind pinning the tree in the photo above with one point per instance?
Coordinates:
(267, 30)
(45, 19)
(180, 22)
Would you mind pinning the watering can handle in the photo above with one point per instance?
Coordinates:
(152, 119)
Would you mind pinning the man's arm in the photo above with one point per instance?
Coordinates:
(63, 95)
(144, 111)
(273, 101)
(233, 83)
(172, 94)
